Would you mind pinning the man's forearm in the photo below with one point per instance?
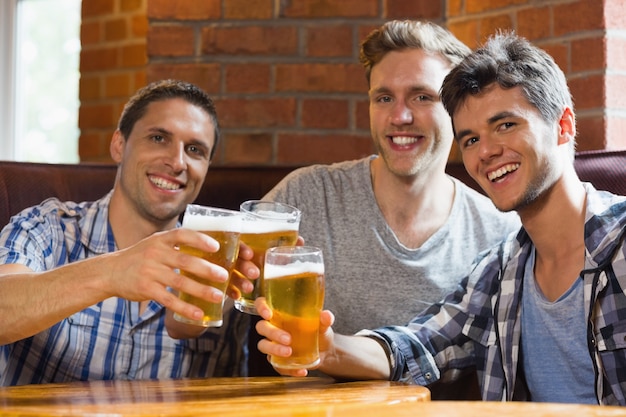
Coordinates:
(31, 302)
(356, 357)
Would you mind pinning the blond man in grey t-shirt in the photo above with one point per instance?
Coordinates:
(397, 232)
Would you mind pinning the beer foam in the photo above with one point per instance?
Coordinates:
(260, 225)
(276, 271)
(212, 223)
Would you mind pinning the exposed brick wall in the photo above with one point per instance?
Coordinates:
(586, 38)
(285, 74)
(112, 66)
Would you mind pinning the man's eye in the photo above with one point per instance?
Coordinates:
(158, 138)
(384, 99)
(506, 125)
(470, 141)
(196, 150)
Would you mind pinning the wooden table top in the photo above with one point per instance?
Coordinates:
(266, 396)
(261, 396)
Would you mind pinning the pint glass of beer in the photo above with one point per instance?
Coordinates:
(265, 224)
(225, 227)
(294, 290)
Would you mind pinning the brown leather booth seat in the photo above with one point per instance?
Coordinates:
(23, 184)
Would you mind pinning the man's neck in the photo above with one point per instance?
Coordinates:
(128, 226)
(556, 225)
(414, 207)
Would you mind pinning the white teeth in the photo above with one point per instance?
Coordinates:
(166, 185)
(494, 175)
(403, 140)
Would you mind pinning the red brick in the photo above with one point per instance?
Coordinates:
(134, 55)
(588, 54)
(304, 149)
(362, 116)
(534, 23)
(118, 107)
(591, 132)
(115, 30)
(170, 40)
(329, 41)
(247, 149)
(454, 8)
(139, 80)
(416, 9)
(184, 9)
(90, 33)
(336, 78)
(249, 9)
(117, 85)
(98, 59)
(477, 6)
(99, 115)
(205, 76)
(466, 31)
(328, 8)
(139, 26)
(93, 146)
(364, 30)
(588, 92)
(324, 114)
(266, 112)
(89, 88)
(578, 16)
(133, 6)
(247, 78)
(560, 53)
(252, 40)
(93, 8)
(492, 24)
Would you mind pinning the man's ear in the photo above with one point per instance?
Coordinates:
(118, 143)
(566, 126)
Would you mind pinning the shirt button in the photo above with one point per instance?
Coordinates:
(428, 375)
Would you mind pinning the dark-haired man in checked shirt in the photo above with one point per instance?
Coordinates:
(542, 315)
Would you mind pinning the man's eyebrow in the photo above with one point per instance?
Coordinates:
(159, 130)
(493, 119)
(499, 116)
(462, 133)
(420, 88)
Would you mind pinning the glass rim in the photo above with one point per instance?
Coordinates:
(292, 215)
(294, 250)
(215, 209)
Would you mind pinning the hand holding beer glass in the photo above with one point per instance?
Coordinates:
(225, 227)
(265, 224)
(294, 290)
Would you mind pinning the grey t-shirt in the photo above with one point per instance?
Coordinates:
(372, 280)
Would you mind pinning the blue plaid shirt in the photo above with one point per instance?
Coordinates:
(109, 340)
(479, 325)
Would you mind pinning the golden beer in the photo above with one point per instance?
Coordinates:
(294, 290)
(262, 229)
(223, 226)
